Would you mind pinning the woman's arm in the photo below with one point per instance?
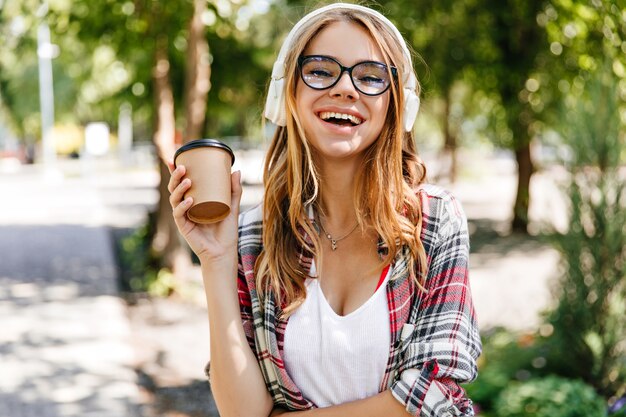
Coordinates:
(379, 405)
(236, 380)
(443, 341)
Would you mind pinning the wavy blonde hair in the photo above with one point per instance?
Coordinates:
(385, 192)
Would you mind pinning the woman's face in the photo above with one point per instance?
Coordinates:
(320, 111)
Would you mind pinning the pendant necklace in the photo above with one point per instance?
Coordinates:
(333, 241)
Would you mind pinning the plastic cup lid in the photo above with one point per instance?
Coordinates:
(202, 143)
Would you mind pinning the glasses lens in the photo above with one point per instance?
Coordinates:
(371, 77)
(320, 72)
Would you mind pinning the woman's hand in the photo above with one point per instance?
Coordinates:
(208, 241)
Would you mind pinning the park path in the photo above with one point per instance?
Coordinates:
(65, 342)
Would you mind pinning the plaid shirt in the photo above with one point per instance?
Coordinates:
(434, 336)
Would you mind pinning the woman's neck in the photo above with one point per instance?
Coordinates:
(337, 193)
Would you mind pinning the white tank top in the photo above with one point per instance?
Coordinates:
(334, 359)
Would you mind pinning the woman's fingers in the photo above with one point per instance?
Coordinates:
(178, 193)
(175, 178)
(180, 210)
(177, 189)
(170, 166)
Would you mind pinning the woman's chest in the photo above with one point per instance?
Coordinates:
(333, 358)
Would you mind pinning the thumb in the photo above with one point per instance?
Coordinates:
(236, 191)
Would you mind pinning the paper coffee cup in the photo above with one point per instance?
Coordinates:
(207, 163)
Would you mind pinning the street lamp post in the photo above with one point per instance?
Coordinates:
(46, 51)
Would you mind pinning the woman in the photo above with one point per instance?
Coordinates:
(346, 292)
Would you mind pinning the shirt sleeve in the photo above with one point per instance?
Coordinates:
(440, 348)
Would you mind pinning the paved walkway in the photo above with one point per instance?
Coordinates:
(64, 343)
(511, 275)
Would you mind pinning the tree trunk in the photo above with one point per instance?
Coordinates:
(166, 241)
(165, 132)
(198, 76)
(450, 142)
(525, 169)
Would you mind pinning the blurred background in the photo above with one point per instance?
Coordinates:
(101, 304)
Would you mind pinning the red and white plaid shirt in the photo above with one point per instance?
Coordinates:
(434, 335)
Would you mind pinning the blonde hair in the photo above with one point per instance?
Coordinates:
(385, 190)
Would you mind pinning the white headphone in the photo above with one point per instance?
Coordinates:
(275, 105)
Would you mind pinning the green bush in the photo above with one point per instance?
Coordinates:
(507, 356)
(589, 325)
(550, 397)
(140, 269)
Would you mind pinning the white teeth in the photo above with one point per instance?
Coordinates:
(332, 115)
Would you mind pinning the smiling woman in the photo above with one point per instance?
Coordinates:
(346, 292)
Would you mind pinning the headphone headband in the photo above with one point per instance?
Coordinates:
(275, 105)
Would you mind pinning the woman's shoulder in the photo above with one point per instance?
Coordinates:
(442, 212)
(251, 216)
(436, 194)
(251, 226)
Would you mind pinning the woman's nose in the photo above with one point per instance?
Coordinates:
(344, 87)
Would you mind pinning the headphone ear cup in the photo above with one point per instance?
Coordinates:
(275, 103)
(411, 108)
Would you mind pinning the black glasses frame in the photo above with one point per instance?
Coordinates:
(302, 58)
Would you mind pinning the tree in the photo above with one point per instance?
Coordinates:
(508, 53)
(440, 34)
(152, 55)
(19, 89)
(519, 44)
(544, 50)
(492, 48)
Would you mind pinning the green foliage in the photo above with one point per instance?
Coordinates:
(107, 53)
(139, 268)
(507, 356)
(589, 326)
(583, 337)
(550, 397)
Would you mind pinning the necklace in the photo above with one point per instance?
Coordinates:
(333, 241)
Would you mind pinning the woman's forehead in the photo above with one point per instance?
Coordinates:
(347, 42)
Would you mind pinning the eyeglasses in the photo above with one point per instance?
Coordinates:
(368, 77)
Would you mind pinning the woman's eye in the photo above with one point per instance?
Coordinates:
(320, 73)
(371, 79)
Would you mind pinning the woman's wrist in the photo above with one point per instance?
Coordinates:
(222, 254)
(222, 269)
